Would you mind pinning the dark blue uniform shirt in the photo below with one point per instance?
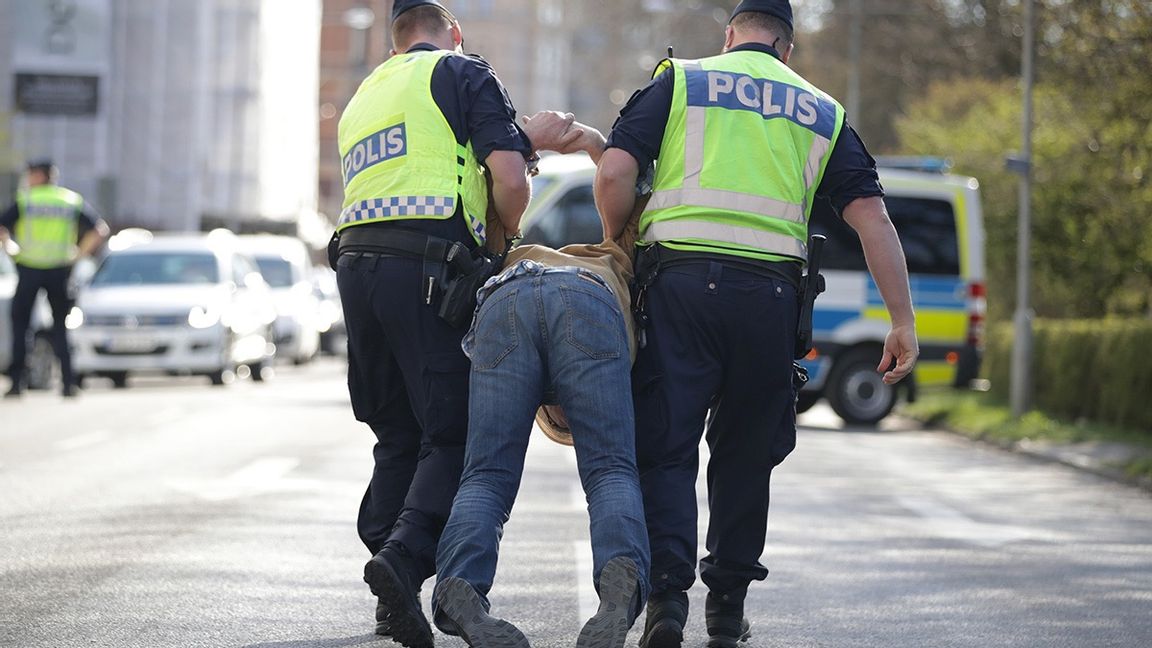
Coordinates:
(850, 174)
(478, 109)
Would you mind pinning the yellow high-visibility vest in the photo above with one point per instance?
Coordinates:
(745, 147)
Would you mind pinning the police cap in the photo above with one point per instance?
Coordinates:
(41, 164)
(400, 6)
(781, 9)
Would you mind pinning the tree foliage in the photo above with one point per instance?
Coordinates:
(1092, 153)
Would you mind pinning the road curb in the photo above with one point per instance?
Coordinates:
(1101, 458)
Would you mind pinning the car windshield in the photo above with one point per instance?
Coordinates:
(157, 268)
(277, 272)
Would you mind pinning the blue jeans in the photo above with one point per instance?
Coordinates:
(563, 334)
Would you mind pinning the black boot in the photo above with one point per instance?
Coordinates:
(724, 618)
(400, 598)
(664, 621)
(382, 626)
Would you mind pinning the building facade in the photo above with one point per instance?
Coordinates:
(170, 115)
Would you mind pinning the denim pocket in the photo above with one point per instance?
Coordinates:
(594, 323)
(496, 335)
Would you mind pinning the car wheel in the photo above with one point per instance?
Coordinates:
(805, 400)
(260, 371)
(41, 370)
(119, 379)
(857, 391)
(220, 378)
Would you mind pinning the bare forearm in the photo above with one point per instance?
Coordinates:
(90, 242)
(510, 188)
(615, 190)
(884, 255)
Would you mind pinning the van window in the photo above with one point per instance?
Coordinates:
(573, 219)
(927, 229)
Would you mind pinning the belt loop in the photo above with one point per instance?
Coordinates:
(715, 271)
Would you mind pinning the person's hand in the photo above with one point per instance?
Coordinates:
(900, 346)
(550, 130)
(590, 140)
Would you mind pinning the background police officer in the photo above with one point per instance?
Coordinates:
(744, 145)
(47, 229)
(422, 141)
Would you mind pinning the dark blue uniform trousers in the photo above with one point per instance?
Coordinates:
(718, 356)
(408, 380)
(54, 282)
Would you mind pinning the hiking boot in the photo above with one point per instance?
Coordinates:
(460, 612)
(724, 618)
(609, 626)
(382, 627)
(400, 599)
(664, 620)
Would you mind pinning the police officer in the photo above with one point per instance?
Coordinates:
(47, 230)
(744, 146)
(421, 142)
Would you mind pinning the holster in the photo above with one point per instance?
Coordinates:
(467, 273)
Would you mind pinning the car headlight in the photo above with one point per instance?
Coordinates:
(74, 319)
(202, 318)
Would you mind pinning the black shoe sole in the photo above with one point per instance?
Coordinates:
(609, 627)
(406, 620)
(459, 602)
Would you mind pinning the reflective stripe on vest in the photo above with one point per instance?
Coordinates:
(704, 231)
(693, 214)
(400, 157)
(48, 226)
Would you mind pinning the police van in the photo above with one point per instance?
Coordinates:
(939, 220)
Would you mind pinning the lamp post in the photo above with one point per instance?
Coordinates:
(1021, 385)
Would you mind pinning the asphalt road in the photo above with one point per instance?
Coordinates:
(178, 514)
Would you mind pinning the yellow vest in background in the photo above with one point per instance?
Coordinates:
(48, 226)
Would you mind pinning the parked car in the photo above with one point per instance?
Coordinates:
(939, 220)
(42, 369)
(333, 333)
(176, 304)
(285, 263)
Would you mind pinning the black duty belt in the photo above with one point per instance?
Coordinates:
(398, 242)
(789, 271)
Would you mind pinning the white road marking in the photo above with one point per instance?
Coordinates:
(585, 591)
(262, 476)
(82, 440)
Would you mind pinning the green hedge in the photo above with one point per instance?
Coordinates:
(1099, 370)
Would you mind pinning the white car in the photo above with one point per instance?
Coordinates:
(284, 261)
(176, 304)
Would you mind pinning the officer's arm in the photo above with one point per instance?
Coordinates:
(615, 190)
(885, 258)
(510, 189)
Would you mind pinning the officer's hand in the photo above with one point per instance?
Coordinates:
(550, 130)
(900, 346)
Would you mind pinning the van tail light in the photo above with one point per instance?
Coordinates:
(977, 306)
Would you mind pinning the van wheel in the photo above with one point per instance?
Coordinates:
(805, 400)
(857, 392)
